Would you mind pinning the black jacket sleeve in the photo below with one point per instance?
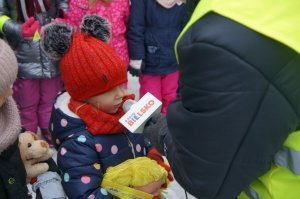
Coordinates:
(12, 174)
(11, 28)
(235, 108)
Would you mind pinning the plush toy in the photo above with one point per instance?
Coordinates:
(140, 178)
(33, 153)
(42, 171)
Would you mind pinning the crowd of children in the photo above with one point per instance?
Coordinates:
(89, 54)
(38, 79)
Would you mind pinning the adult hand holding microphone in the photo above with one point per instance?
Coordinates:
(144, 117)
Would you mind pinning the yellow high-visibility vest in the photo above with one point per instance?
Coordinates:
(277, 19)
(282, 181)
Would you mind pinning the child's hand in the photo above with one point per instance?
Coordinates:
(30, 27)
(135, 67)
(152, 188)
(152, 130)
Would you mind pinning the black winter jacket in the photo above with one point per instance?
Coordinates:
(12, 174)
(239, 100)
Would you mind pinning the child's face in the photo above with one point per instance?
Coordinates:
(7, 93)
(110, 101)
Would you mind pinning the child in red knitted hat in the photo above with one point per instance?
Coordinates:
(85, 119)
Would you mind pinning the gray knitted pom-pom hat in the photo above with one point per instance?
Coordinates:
(8, 66)
(10, 124)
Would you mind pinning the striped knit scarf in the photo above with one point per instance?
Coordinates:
(27, 8)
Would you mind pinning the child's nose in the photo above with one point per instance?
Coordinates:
(120, 92)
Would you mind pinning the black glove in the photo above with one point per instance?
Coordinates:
(152, 131)
(52, 166)
(134, 72)
(135, 67)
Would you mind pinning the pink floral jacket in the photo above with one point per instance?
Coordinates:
(117, 12)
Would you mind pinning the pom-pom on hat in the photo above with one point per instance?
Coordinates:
(89, 66)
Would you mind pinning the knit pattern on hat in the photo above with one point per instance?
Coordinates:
(8, 66)
(91, 67)
(10, 124)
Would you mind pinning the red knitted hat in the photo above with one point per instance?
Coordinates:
(89, 66)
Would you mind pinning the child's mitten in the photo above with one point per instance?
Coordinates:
(29, 28)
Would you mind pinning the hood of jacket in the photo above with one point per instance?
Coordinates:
(64, 123)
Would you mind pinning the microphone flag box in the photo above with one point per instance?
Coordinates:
(140, 112)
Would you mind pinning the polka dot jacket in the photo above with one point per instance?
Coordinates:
(82, 157)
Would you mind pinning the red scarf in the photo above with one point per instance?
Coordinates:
(26, 8)
(97, 121)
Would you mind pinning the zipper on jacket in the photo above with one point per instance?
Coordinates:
(41, 61)
(130, 144)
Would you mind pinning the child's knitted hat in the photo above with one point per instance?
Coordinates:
(89, 66)
(8, 66)
(10, 124)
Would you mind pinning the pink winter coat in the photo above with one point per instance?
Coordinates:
(117, 12)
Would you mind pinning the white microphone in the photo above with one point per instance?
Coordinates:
(138, 113)
(127, 105)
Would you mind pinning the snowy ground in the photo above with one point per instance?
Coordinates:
(175, 191)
